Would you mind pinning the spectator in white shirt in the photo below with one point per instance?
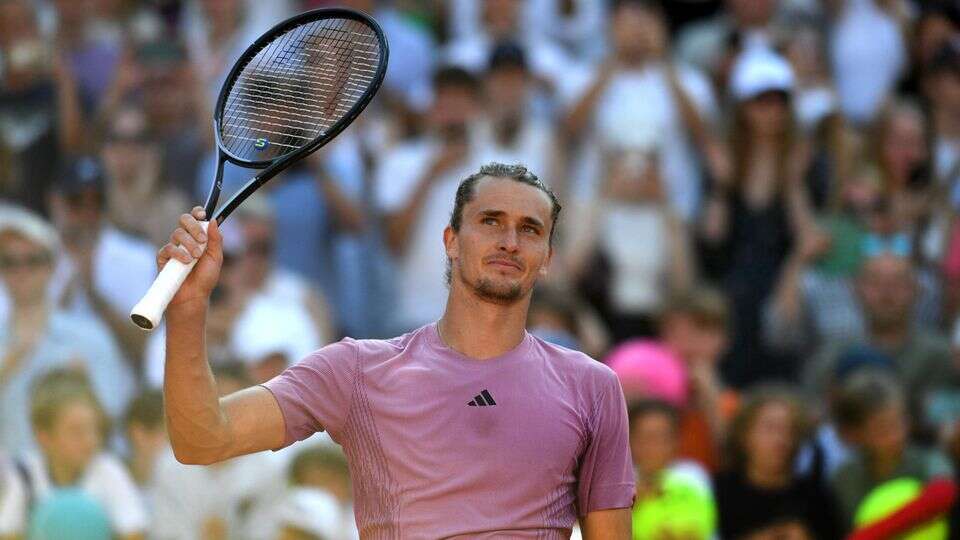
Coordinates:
(639, 86)
(414, 184)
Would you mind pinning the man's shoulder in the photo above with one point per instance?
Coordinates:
(581, 366)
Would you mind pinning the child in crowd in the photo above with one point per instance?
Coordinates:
(319, 502)
(147, 435)
(72, 484)
(694, 326)
(886, 474)
(674, 498)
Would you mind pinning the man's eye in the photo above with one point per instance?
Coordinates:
(531, 229)
(489, 221)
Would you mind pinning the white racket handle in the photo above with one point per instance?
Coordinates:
(149, 310)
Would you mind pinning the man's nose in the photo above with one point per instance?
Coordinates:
(508, 240)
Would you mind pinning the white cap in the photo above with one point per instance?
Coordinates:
(758, 70)
(312, 511)
(29, 225)
(267, 326)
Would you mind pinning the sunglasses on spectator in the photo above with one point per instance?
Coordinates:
(35, 260)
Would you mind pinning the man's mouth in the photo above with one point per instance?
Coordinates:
(506, 263)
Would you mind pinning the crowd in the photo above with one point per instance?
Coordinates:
(759, 234)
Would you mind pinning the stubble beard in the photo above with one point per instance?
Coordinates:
(490, 291)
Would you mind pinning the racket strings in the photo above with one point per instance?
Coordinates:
(298, 86)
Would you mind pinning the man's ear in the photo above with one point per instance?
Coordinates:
(545, 267)
(450, 243)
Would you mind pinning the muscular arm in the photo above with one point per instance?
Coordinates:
(203, 427)
(612, 524)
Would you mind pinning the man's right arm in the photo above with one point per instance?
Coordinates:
(203, 427)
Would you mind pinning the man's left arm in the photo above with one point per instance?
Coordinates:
(606, 486)
(615, 523)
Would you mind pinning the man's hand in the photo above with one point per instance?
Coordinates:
(186, 245)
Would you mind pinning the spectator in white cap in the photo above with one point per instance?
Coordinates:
(106, 271)
(37, 336)
(755, 213)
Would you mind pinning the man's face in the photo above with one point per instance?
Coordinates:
(501, 17)
(692, 340)
(453, 109)
(503, 246)
(884, 434)
(507, 90)
(887, 288)
(627, 24)
(752, 12)
(25, 267)
(78, 217)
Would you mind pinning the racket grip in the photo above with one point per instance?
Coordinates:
(149, 310)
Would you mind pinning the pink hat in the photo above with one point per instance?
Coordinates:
(647, 369)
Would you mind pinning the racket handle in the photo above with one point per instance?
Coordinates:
(149, 310)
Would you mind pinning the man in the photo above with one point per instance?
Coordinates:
(468, 426)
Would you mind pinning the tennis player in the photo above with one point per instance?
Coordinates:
(468, 427)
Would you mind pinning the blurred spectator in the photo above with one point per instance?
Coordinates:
(887, 291)
(871, 411)
(139, 202)
(711, 45)
(694, 326)
(92, 52)
(232, 499)
(636, 92)
(145, 430)
(318, 503)
(71, 427)
(632, 249)
(942, 83)
(39, 108)
(868, 55)
(37, 336)
(761, 495)
(674, 498)
(574, 26)
(502, 22)
(105, 271)
(415, 183)
(517, 135)
(754, 215)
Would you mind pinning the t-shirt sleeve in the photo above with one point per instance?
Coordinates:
(314, 394)
(125, 505)
(13, 501)
(606, 478)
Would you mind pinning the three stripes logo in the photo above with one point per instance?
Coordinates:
(482, 399)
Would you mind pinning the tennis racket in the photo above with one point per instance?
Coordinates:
(292, 91)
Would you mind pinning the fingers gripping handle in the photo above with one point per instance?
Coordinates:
(149, 310)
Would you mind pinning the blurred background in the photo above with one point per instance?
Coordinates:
(760, 235)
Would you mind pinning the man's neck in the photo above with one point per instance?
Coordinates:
(891, 338)
(62, 474)
(480, 329)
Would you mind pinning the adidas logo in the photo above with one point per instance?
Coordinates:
(482, 400)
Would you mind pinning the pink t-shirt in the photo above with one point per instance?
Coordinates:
(441, 445)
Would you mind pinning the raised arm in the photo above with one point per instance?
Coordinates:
(203, 427)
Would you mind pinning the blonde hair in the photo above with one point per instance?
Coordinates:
(55, 391)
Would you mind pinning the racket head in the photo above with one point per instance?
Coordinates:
(298, 86)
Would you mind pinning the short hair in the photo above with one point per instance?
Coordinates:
(706, 305)
(326, 458)
(467, 190)
(866, 392)
(647, 407)
(746, 417)
(457, 78)
(145, 410)
(55, 391)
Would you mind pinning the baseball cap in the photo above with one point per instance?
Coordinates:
(81, 174)
(29, 225)
(758, 70)
(507, 54)
(648, 369)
